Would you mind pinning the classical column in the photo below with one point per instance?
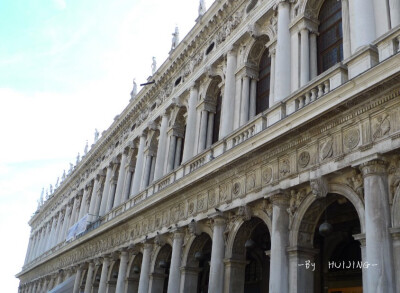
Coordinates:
(137, 177)
(188, 150)
(283, 56)
(174, 280)
(113, 186)
(145, 269)
(52, 232)
(104, 275)
(362, 21)
(28, 252)
(295, 61)
(61, 236)
(129, 169)
(305, 57)
(159, 170)
(238, 96)
(279, 273)
(346, 30)
(92, 205)
(45, 238)
(394, 12)
(122, 272)
(382, 20)
(106, 190)
(121, 180)
(146, 172)
(178, 151)
(210, 129)
(83, 203)
(171, 153)
(244, 108)
(74, 212)
(78, 277)
(58, 228)
(203, 131)
(301, 279)
(216, 282)
(228, 101)
(313, 56)
(253, 98)
(272, 53)
(377, 223)
(89, 278)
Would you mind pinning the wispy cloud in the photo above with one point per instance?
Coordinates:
(60, 4)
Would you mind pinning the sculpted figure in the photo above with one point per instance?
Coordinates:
(78, 157)
(154, 66)
(134, 89)
(96, 135)
(58, 180)
(86, 148)
(63, 176)
(71, 167)
(175, 39)
(202, 7)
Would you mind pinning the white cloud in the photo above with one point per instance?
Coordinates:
(60, 4)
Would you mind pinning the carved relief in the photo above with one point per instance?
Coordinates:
(380, 126)
(284, 167)
(326, 149)
(251, 181)
(236, 189)
(211, 198)
(351, 138)
(304, 159)
(296, 198)
(319, 187)
(356, 182)
(267, 175)
(223, 193)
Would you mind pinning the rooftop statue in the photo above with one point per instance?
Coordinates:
(96, 135)
(71, 167)
(175, 39)
(134, 89)
(58, 180)
(78, 157)
(63, 176)
(154, 66)
(202, 7)
(86, 148)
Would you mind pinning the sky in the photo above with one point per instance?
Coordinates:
(66, 69)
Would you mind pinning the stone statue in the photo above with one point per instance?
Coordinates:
(175, 39)
(78, 157)
(63, 176)
(58, 180)
(134, 89)
(85, 151)
(202, 8)
(40, 200)
(47, 194)
(96, 135)
(71, 167)
(154, 66)
(51, 188)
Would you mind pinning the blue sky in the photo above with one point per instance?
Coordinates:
(66, 68)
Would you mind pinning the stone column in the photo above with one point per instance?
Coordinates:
(377, 223)
(283, 49)
(362, 21)
(113, 185)
(159, 169)
(279, 273)
(301, 279)
(52, 233)
(382, 20)
(238, 96)
(272, 54)
(122, 272)
(295, 61)
(394, 12)
(228, 101)
(121, 180)
(129, 169)
(171, 153)
(178, 152)
(146, 172)
(104, 275)
(189, 148)
(45, 238)
(361, 239)
(28, 252)
(244, 108)
(145, 269)
(253, 98)
(83, 203)
(78, 277)
(89, 278)
(137, 177)
(305, 57)
(92, 205)
(216, 282)
(58, 229)
(210, 129)
(203, 131)
(313, 56)
(396, 252)
(174, 280)
(106, 190)
(346, 29)
(65, 224)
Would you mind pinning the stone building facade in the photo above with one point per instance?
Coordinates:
(264, 158)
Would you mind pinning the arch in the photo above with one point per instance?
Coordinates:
(310, 8)
(256, 49)
(310, 200)
(133, 272)
(200, 229)
(113, 276)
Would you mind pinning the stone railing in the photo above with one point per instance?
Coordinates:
(246, 132)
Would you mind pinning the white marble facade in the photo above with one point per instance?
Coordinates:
(193, 188)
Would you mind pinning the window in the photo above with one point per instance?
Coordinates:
(263, 85)
(330, 40)
(217, 118)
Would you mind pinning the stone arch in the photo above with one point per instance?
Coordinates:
(241, 231)
(160, 253)
(309, 8)
(201, 229)
(113, 275)
(213, 88)
(396, 209)
(133, 272)
(256, 49)
(312, 209)
(134, 260)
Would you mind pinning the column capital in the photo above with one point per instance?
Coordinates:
(178, 233)
(193, 85)
(217, 218)
(279, 198)
(374, 167)
(360, 237)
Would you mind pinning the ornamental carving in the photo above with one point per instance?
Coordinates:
(380, 126)
(284, 166)
(244, 212)
(327, 149)
(211, 198)
(296, 198)
(319, 187)
(351, 138)
(251, 181)
(191, 208)
(223, 193)
(230, 26)
(304, 159)
(394, 177)
(201, 203)
(356, 182)
(236, 189)
(267, 175)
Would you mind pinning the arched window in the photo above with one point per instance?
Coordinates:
(330, 40)
(217, 118)
(263, 85)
